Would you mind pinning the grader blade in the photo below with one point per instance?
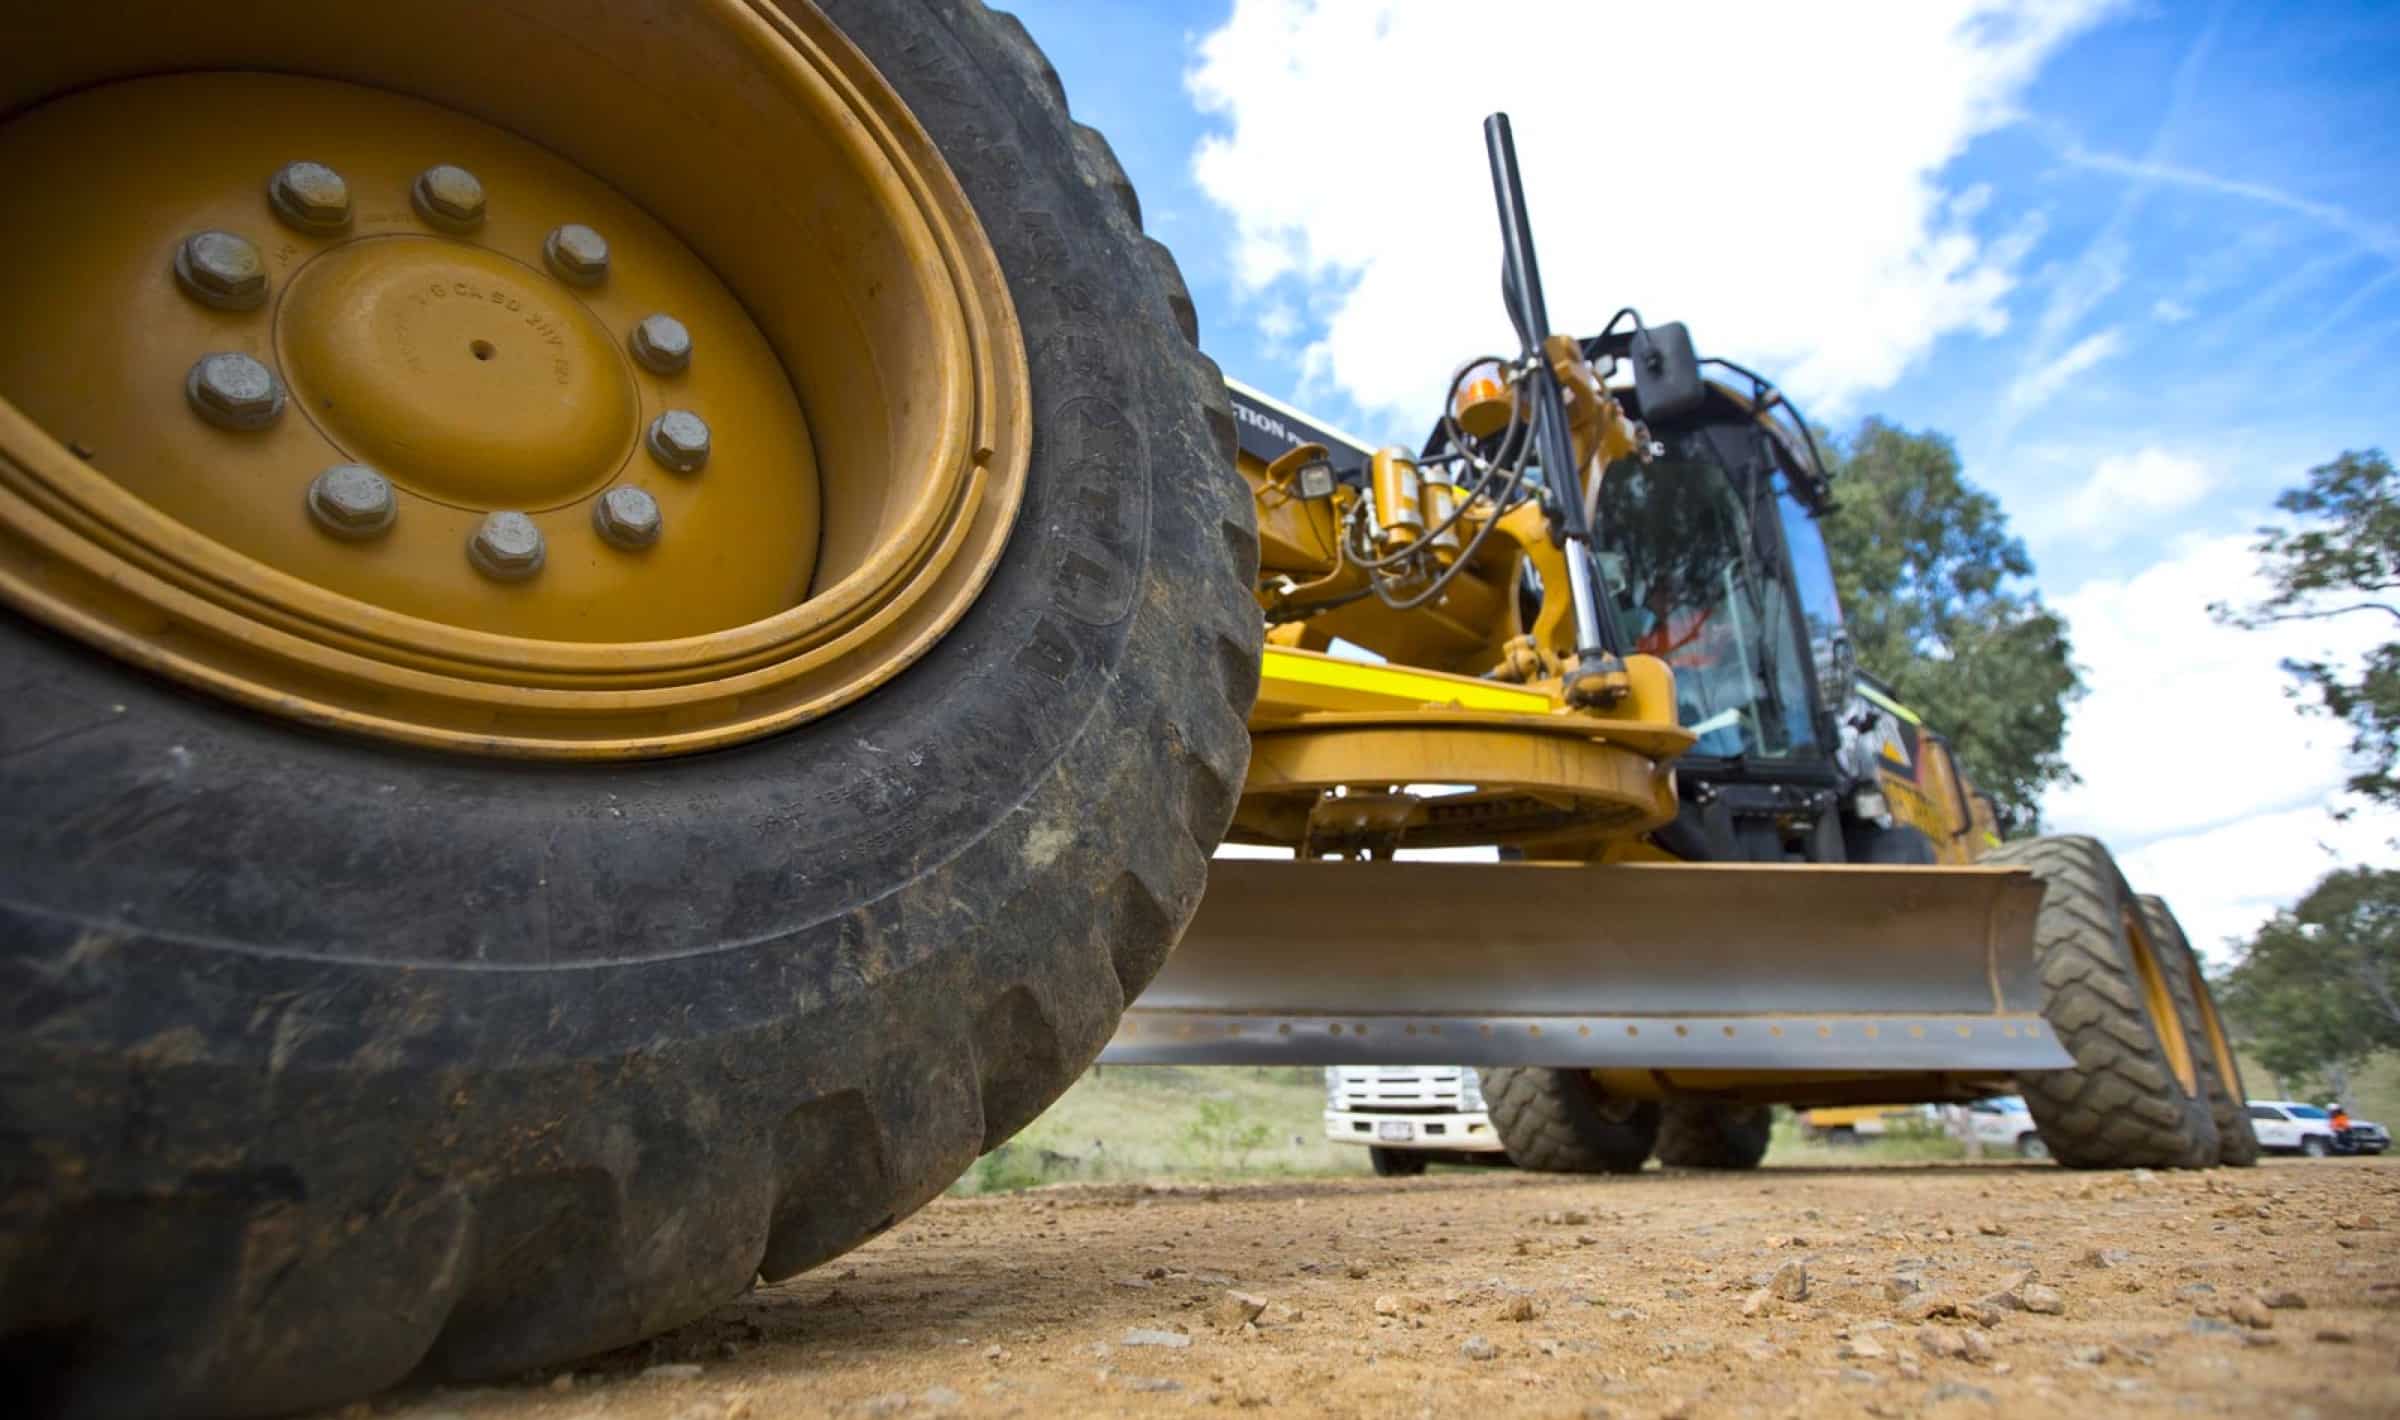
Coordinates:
(1651, 966)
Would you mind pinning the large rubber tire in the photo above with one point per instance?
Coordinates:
(2228, 1101)
(1558, 1121)
(1395, 1163)
(1713, 1134)
(328, 1061)
(2121, 1105)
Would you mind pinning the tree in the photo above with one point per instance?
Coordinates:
(2318, 989)
(2342, 559)
(1936, 593)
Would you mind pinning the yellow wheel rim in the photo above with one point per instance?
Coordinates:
(397, 440)
(2220, 1049)
(2160, 1003)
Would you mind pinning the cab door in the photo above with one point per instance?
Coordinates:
(2274, 1128)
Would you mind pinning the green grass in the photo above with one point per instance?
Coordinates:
(1897, 1145)
(1171, 1121)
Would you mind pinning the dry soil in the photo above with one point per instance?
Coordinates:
(1939, 1290)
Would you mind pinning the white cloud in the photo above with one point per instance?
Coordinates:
(2129, 488)
(1803, 229)
(2169, 311)
(2203, 775)
(2224, 881)
(2034, 388)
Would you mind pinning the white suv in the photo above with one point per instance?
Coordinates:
(2289, 1127)
(2005, 1121)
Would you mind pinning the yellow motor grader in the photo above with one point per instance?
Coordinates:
(1591, 625)
(628, 631)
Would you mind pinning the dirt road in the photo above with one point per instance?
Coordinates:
(1941, 1290)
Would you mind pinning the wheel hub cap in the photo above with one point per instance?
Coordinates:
(460, 374)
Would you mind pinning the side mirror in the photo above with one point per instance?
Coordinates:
(1666, 375)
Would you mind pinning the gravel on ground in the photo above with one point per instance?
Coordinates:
(1940, 1290)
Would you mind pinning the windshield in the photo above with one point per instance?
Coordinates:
(1697, 583)
(1820, 607)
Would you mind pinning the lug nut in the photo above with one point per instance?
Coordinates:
(662, 345)
(627, 518)
(577, 254)
(449, 197)
(222, 270)
(353, 502)
(507, 547)
(233, 391)
(310, 196)
(678, 439)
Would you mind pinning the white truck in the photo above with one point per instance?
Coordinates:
(1410, 1115)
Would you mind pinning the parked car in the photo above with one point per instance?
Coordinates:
(2004, 1121)
(2289, 1127)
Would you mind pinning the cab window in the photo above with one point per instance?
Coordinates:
(1697, 585)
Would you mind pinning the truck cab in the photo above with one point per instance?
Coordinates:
(1410, 1115)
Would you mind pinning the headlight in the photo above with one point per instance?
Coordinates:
(1470, 1092)
(1333, 1087)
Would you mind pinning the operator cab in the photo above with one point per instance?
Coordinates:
(1711, 551)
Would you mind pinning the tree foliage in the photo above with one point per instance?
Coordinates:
(2318, 989)
(1935, 591)
(2340, 557)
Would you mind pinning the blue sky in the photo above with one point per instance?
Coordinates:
(2141, 262)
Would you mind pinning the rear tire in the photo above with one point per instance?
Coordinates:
(281, 1130)
(2030, 1146)
(1395, 1163)
(1713, 1134)
(2212, 1051)
(2315, 1147)
(2132, 1098)
(1559, 1121)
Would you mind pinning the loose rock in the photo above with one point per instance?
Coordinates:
(1232, 1310)
(1173, 1340)
(1475, 1348)
(1941, 1341)
(1790, 1283)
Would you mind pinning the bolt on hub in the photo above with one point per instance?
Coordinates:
(507, 547)
(678, 439)
(233, 391)
(627, 518)
(310, 196)
(661, 344)
(449, 197)
(576, 254)
(222, 269)
(352, 502)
